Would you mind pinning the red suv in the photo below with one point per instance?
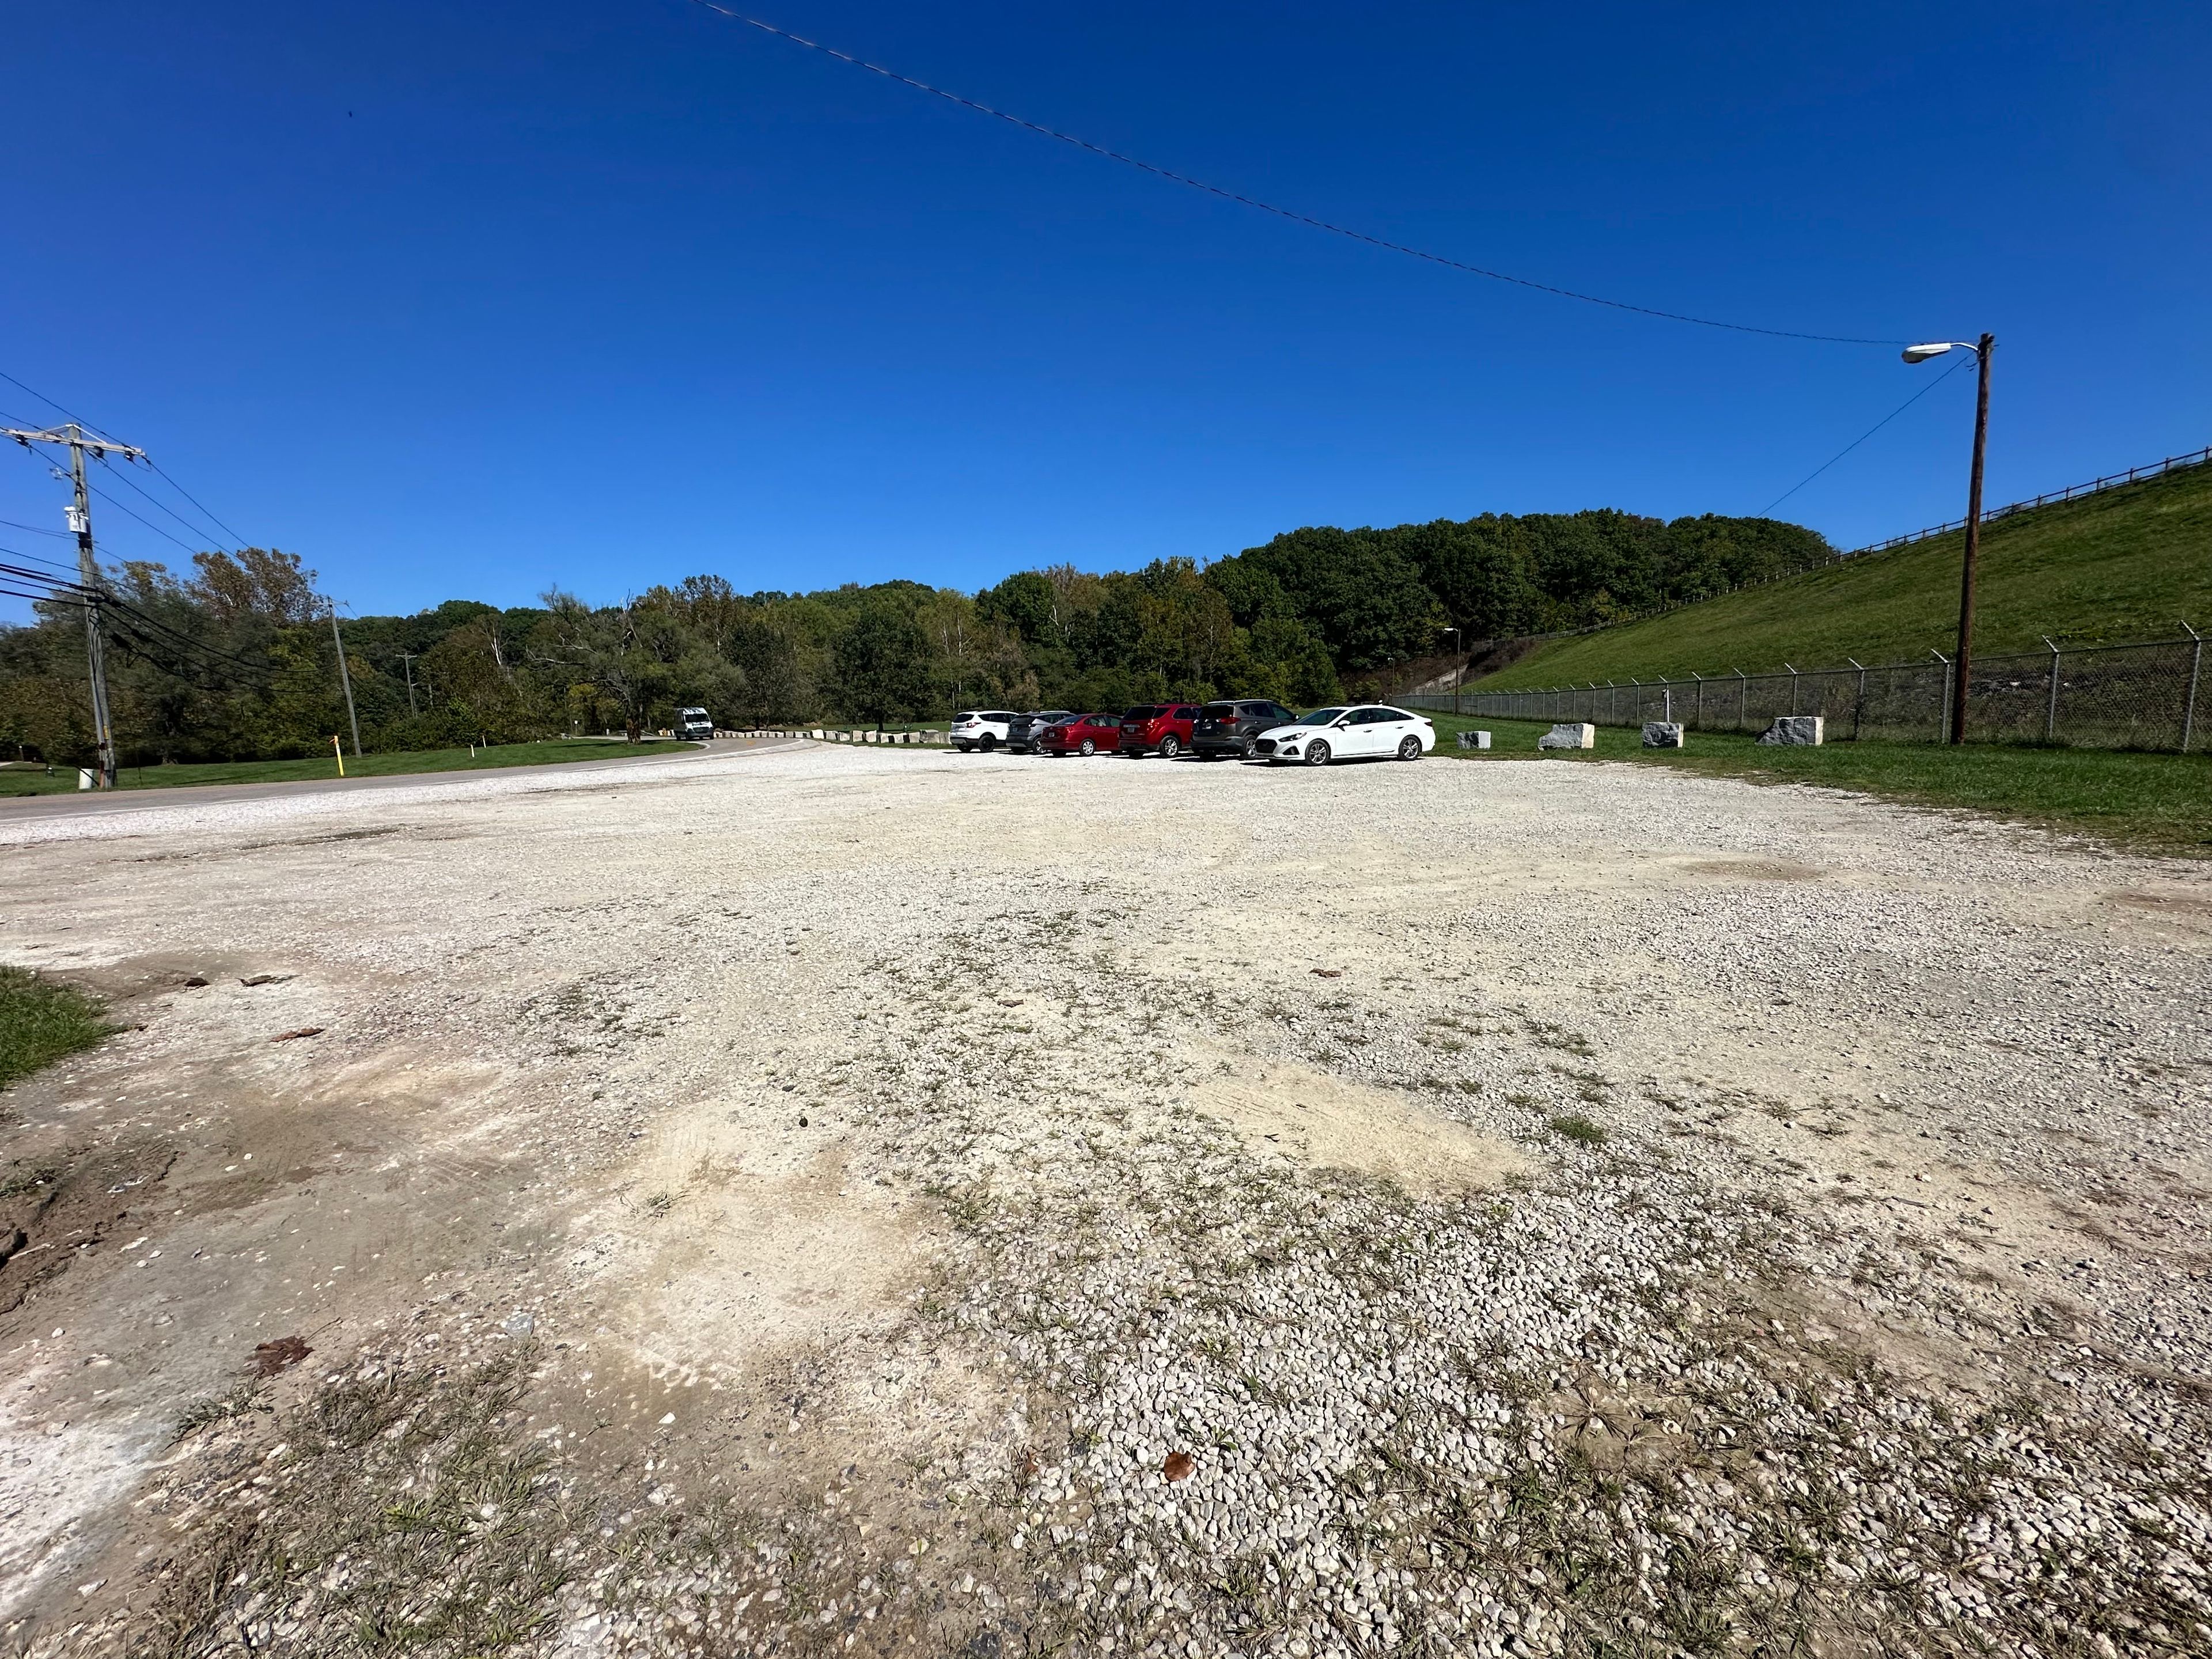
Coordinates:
(1162, 726)
(1081, 734)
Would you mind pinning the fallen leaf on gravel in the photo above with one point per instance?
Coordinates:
(1010, 1002)
(265, 979)
(1327, 973)
(1178, 1466)
(286, 1352)
(305, 1030)
(197, 981)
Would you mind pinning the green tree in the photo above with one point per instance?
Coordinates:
(882, 662)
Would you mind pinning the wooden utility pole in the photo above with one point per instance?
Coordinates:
(1961, 663)
(346, 680)
(72, 437)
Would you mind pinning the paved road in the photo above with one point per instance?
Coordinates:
(82, 803)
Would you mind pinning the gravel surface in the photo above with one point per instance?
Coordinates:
(825, 1201)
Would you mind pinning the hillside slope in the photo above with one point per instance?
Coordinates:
(2130, 563)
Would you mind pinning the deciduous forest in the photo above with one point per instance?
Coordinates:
(236, 660)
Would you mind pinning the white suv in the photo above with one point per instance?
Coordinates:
(983, 729)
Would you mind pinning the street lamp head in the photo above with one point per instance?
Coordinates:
(1921, 354)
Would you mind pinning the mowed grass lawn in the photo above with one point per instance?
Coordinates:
(2129, 563)
(2146, 802)
(17, 779)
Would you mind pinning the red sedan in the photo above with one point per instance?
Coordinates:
(1083, 734)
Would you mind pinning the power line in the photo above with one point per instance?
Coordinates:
(50, 403)
(37, 558)
(236, 539)
(36, 529)
(1864, 436)
(1291, 214)
(125, 479)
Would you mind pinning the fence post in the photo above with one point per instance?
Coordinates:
(1742, 699)
(2189, 709)
(1943, 729)
(2050, 707)
(1793, 688)
(1858, 702)
(1698, 719)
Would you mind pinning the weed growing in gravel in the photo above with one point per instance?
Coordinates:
(408, 1513)
(42, 1022)
(1578, 1128)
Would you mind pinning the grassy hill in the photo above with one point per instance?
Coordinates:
(2130, 563)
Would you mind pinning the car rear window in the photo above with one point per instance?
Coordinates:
(1144, 712)
(1220, 711)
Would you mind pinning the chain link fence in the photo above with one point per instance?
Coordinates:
(2113, 697)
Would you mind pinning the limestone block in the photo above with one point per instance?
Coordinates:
(1475, 740)
(1662, 734)
(1570, 734)
(1800, 729)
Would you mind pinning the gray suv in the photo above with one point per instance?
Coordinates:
(1234, 728)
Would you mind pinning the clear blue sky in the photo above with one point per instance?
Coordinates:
(465, 300)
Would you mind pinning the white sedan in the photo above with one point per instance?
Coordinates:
(1366, 730)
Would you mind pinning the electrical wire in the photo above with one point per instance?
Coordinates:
(183, 638)
(50, 403)
(236, 539)
(1864, 435)
(38, 558)
(39, 530)
(1291, 214)
(130, 483)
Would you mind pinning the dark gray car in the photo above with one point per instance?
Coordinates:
(1232, 727)
(1025, 731)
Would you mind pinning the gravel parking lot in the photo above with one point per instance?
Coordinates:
(827, 1200)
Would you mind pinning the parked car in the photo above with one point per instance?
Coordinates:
(980, 728)
(1234, 728)
(1023, 731)
(1369, 730)
(1165, 726)
(1082, 734)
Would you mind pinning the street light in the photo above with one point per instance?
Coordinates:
(1921, 354)
(1455, 633)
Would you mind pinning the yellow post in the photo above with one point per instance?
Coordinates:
(339, 752)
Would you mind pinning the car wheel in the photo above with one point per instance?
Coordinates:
(1087, 749)
(1409, 749)
(965, 748)
(1169, 747)
(1248, 748)
(989, 742)
(1316, 754)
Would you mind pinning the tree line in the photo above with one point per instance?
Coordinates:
(237, 660)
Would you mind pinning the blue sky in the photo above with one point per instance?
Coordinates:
(464, 301)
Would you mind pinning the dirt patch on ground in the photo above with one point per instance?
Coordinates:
(1321, 1120)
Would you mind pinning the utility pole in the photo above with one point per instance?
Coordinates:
(72, 437)
(345, 679)
(407, 667)
(1973, 543)
(1961, 663)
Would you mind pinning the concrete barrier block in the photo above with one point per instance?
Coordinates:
(1662, 734)
(1475, 740)
(1570, 734)
(1797, 729)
